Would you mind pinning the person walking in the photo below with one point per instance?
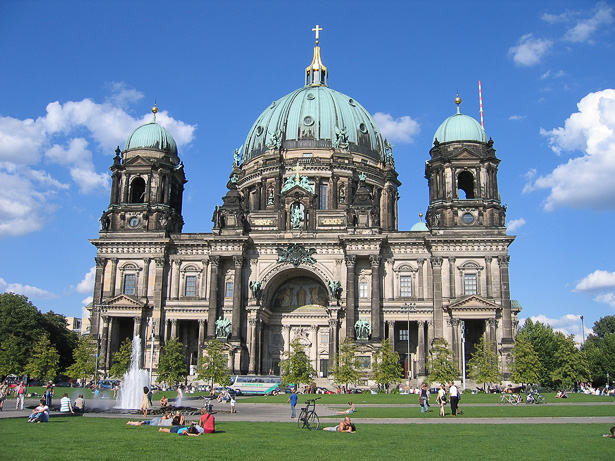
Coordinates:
(453, 393)
(20, 393)
(424, 398)
(293, 401)
(441, 399)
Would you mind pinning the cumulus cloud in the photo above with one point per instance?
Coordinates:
(515, 224)
(87, 284)
(69, 135)
(585, 28)
(585, 181)
(600, 283)
(401, 129)
(569, 324)
(26, 290)
(529, 50)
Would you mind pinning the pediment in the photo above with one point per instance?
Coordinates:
(473, 303)
(138, 161)
(297, 191)
(465, 154)
(123, 301)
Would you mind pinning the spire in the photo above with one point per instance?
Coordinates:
(458, 102)
(316, 73)
(155, 111)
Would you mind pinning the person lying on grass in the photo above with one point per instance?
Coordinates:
(164, 420)
(192, 430)
(345, 426)
(611, 435)
(348, 411)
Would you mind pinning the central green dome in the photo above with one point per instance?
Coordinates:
(311, 117)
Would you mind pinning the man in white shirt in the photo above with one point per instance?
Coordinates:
(453, 393)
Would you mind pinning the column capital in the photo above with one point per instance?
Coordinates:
(504, 260)
(215, 261)
(436, 261)
(374, 260)
(238, 260)
(100, 262)
(350, 260)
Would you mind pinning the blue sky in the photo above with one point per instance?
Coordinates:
(78, 77)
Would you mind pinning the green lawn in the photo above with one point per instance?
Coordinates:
(111, 439)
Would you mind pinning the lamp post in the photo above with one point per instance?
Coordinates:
(583, 329)
(410, 308)
(463, 353)
(151, 352)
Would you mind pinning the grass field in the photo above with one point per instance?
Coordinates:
(111, 439)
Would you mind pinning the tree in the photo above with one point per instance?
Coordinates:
(213, 366)
(545, 342)
(572, 365)
(9, 357)
(525, 367)
(600, 350)
(346, 368)
(84, 359)
(296, 367)
(171, 366)
(484, 365)
(44, 360)
(440, 363)
(605, 326)
(63, 339)
(121, 359)
(386, 366)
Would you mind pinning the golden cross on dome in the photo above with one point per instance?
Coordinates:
(317, 29)
(297, 168)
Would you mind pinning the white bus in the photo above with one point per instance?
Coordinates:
(254, 384)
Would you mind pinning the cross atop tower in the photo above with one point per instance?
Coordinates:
(317, 29)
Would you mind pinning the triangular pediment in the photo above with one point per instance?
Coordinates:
(123, 301)
(465, 154)
(473, 303)
(298, 191)
(138, 161)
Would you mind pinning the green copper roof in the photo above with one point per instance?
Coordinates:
(420, 227)
(312, 117)
(151, 136)
(460, 127)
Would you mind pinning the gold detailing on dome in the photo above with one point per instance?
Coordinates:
(155, 111)
(458, 102)
(316, 73)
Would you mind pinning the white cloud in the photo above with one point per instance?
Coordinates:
(87, 284)
(585, 181)
(517, 117)
(26, 290)
(550, 74)
(397, 130)
(585, 28)
(515, 224)
(569, 324)
(529, 50)
(597, 280)
(27, 191)
(606, 298)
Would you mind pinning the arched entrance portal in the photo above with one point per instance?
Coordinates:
(298, 310)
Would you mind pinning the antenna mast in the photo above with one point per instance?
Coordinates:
(480, 99)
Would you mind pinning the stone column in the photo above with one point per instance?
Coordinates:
(350, 296)
(99, 282)
(213, 297)
(104, 344)
(422, 348)
(488, 276)
(252, 324)
(436, 264)
(237, 299)
(374, 261)
(455, 340)
(286, 334)
(174, 282)
(332, 341)
(201, 337)
(173, 328)
(391, 326)
(113, 277)
(491, 331)
(159, 294)
(145, 282)
(451, 276)
(314, 350)
(136, 326)
(203, 287)
(421, 290)
(507, 336)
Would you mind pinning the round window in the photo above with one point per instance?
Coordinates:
(363, 128)
(468, 218)
(259, 130)
(310, 96)
(351, 102)
(308, 120)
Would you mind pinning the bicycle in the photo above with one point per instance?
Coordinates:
(536, 398)
(308, 418)
(512, 399)
(208, 406)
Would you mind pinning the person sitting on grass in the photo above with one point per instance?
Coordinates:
(348, 411)
(207, 421)
(65, 405)
(79, 404)
(344, 426)
(178, 419)
(164, 420)
(611, 435)
(182, 430)
(164, 401)
(40, 414)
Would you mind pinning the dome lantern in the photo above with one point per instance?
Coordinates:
(316, 73)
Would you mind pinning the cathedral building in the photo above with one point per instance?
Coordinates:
(306, 244)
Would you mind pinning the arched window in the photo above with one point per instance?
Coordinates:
(137, 190)
(465, 182)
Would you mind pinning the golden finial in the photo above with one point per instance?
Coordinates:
(155, 111)
(317, 29)
(458, 102)
(421, 216)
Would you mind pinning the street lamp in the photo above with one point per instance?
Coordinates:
(463, 353)
(410, 308)
(583, 328)
(151, 353)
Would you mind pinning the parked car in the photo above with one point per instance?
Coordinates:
(324, 390)
(109, 383)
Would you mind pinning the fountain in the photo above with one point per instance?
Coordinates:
(134, 380)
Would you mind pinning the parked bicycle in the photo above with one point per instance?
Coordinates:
(208, 405)
(535, 397)
(510, 399)
(308, 418)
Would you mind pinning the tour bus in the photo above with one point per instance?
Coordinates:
(254, 384)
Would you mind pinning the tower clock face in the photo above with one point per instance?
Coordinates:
(468, 218)
(133, 222)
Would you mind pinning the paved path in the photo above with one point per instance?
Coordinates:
(259, 412)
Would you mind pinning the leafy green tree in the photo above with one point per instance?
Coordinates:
(525, 367)
(386, 366)
(440, 363)
(545, 342)
(9, 356)
(484, 365)
(63, 339)
(572, 365)
(346, 368)
(296, 367)
(213, 365)
(84, 359)
(172, 366)
(43, 363)
(600, 350)
(605, 326)
(121, 359)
